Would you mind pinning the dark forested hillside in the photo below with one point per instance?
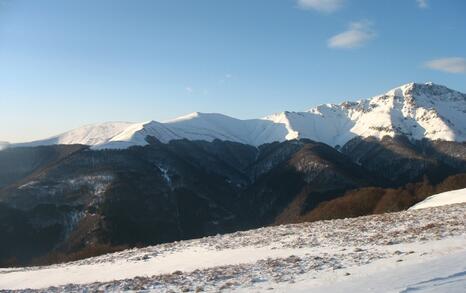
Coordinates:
(69, 200)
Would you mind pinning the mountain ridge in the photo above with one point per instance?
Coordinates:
(415, 110)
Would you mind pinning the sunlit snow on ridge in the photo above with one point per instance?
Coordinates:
(415, 110)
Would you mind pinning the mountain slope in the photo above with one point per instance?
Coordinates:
(416, 111)
(204, 174)
(75, 198)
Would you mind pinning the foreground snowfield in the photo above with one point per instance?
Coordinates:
(399, 252)
(444, 198)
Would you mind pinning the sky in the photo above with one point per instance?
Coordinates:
(67, 63)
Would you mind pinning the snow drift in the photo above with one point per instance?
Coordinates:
(441, 199)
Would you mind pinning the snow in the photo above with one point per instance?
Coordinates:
(95, 185)
(28, 184)
(416, 110)
(444, 198)
(165, 175)
(3, 145)
(93, 135)
(435, 273)
(399, 252)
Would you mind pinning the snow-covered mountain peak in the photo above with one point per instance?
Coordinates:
(415, 110)
(189, 116)
(418, 111)
(401, 91)
(426, 91)
(199, 116)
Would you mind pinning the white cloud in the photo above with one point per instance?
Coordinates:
(450, 65)
(189, 89)
(358, 34)
(422, 4)
(321, 5)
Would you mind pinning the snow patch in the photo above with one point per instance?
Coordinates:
(165, 175)
(444, 198)
(28, 185)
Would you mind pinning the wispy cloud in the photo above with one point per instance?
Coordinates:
(357, 35)
(450, 65)
(226, 77)
(189, 89)
(327, 6)
(422, 4)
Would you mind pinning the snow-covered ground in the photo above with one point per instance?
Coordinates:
(444, 198)
(415, 110)
(398, 252)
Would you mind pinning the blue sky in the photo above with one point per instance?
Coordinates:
(67, 63)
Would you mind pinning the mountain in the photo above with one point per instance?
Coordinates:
(72, 200)
(87, 192)
(414, 110)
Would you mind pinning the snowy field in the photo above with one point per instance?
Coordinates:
(413, 251)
